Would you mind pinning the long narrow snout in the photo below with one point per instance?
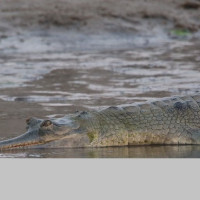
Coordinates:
(40, 132)
(22, 141)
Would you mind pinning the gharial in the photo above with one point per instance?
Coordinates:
(174, 120)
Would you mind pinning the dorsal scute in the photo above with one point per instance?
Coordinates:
(175, 103)
(169, 104)
(132, 109)
(160, 104)
(190, 103)
(113, 108)
(197, 99)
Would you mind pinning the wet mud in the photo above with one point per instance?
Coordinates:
(70, 56)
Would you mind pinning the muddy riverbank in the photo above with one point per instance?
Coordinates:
(57, 57)
(57, 26)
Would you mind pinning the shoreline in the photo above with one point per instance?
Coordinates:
(49, 26)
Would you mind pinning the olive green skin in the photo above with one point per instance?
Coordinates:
(174, 120)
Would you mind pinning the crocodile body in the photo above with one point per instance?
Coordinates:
(174, 120)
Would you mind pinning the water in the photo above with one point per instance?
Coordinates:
(44, 83)
(182, 151)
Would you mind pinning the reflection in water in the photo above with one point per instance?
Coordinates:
(169, 151)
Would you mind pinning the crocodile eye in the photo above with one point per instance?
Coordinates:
(28, 120)
(46, 123)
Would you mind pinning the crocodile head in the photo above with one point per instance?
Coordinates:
(40, 132)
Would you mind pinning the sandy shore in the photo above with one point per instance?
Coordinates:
(93, 24)
(94, 15)
(39, 26)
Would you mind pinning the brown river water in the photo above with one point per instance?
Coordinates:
(57, 57)
(52, 84)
